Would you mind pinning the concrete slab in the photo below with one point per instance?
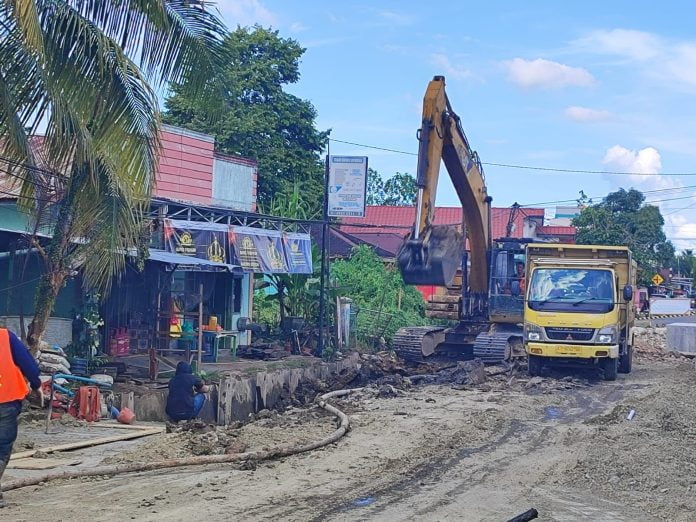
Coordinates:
(246, 386)
(681, 337)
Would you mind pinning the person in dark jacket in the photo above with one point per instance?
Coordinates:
(17, 366)
(186, 394)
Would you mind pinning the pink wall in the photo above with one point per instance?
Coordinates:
(185, 170)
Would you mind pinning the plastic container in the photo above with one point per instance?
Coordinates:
(213, 323)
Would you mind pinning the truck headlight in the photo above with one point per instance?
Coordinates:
(607, 335)
(532, 332)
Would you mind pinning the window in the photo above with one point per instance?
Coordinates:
(571, 290)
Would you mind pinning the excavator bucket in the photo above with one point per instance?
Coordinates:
(433, 258)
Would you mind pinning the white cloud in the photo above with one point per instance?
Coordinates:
(680, 229)
(643, 161)
(247, 12)
(635, 45)
(681, 64)
(546, 74)
(677, 214)
(668, 60)
(585, 115)
(450, 70)
(298, 27)
(396, 18)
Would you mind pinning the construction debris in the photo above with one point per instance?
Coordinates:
(650, 344)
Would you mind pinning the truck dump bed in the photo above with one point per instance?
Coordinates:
(618, 256)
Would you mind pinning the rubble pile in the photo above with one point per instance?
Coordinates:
(651, 455)
(201, 438)
(651, 344)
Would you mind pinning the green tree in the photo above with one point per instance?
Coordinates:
(81, 72)
(258, 118)
(399, 191)
(375, 188)
(374, 286)
(622, 218)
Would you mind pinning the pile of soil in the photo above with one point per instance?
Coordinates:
(649, 459)
(269, 429)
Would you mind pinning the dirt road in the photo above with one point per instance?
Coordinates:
(489, 452)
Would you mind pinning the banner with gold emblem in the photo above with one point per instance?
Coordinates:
(259, 250)
(197, 239)
(254, 249)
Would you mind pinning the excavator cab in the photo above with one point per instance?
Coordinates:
(433, 258)
(507, 281)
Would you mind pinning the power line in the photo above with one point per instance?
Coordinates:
(35, 168)
(574, 200)
(374, 147)
(20, 284)
(529, 167)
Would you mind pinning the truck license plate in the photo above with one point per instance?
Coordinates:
(569, 350)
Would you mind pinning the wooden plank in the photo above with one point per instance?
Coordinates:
(119, 426)
(442, 307)
(445, 299)
(87, 443)
(454, 316)
(32, 463)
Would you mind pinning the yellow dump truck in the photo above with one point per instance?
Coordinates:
(578, 307)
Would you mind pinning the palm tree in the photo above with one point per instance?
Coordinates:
(85, 72)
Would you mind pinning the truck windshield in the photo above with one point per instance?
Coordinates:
(571, 290)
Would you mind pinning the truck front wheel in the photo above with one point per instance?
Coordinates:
(626, 360)
(610, 367)
(534, 365)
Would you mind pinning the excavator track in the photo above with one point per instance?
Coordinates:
(414, 343)
(495, 347)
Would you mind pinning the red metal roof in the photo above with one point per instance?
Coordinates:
(385, 226)
(381, 218)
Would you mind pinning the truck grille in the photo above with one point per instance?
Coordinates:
(570, 334)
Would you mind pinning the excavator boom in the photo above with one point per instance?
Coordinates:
(432, 254)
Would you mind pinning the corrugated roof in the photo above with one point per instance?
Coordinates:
(385, 226)
(402, 218)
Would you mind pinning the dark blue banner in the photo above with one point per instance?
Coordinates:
(298, 253)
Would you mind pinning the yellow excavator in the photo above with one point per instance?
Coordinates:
(481, 288)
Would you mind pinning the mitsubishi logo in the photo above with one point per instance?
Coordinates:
(569, 338)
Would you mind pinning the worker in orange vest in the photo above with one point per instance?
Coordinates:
(519, 267)
(17, 366)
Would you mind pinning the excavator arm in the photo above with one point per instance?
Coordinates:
(432, 253)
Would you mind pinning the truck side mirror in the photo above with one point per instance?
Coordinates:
(628, 293)
(515, 289)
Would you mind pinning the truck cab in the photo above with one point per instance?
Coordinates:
(578, 307)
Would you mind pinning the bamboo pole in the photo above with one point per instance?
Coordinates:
(87, 443)
(200, 329)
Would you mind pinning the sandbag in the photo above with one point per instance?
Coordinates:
(51, 368)
(55, 359)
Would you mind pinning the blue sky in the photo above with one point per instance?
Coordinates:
(583, 85)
